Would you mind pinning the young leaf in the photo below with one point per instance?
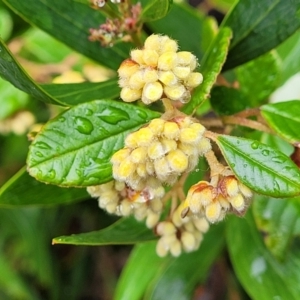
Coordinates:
(69, 21)
(262, 168)
(289, 54)
(11, 71)
(203, 28)
(75, 93)
(124, 231)
(155, 9)
(262, 276)
(259, 78)
(279, 221)
(75, 148)
(259, 26)
(284, 118)
(22, 189)
(211, 67)
(163, 274)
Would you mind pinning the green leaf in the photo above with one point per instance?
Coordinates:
(279, 221)
(69, 21)
(227, 101)
(284, 118)
(262, 276)
(155, 9)
(259, 78)
(168, 277)
(211, 67)
(289, 54)
(6, 24)
(259, 26)
(11, 71)
(203, 28)
(11, 99)
(262, 168)
(75, 93)
(75, 148)
(142, 265)
(124, 231)
(22, 189)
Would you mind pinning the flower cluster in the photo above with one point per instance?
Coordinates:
(117, 198)
(180, 234)
(158, 71)
(161, 152)
(215, 200)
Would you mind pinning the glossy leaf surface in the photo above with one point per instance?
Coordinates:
(169, 277)
(22, 189)
(284, 118)
(11, 71)
(262, 168)
(76, 93)
(155, 9)
(279, 221)
(259, 26)
(259, 78)
(227, 101)
(73, 19)
(211, 67)
(75, 148)
(260, 273)
(124, 231)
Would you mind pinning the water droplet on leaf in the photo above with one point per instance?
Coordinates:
(279, 159)
(39, 154)
(51, 174)
(83, 125)
(62, 119)
(42, 145)
(265, 152)
(113, 115)
(89, 112)
(254, 145)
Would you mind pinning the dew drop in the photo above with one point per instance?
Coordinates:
(279, 159)
(42, 145)
(79, 172)
(83, 125)
(62, 119)
(265, 152)
(51, 174)
(39, 154)
(245, 165)
(113, 115)
(89, 112)
(142, 114)
(254, 145)
(232, 165)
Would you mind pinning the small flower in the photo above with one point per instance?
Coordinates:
(178, 234)
(159, 70)
(117, 198)
(162, 150)
(213, 202)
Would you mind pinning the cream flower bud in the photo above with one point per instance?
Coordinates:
(137, 56)
(150, 75)
(175, 92)
(136, 81)
(188, 241)
(201, 224)
(175, 248)
(152, 219)
(138, 155)
(157, 126)
(190, 136)
(167, 61)
(161, 249)
(167, 78)
(150, 57)
(182, 72)
(127, 68)
(203, 146)
(130, 95)
(186, 58)
(177, 160)
(120, 155)
(144, 136)
(155, 150)
(238, 202)
(165, 228)
(213, 212)
(245, 190)
(168, 45)
(125, 208)
(152, 92)
(153, 42)
(193, 80)
(171, 130)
